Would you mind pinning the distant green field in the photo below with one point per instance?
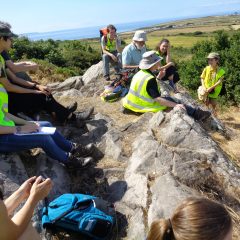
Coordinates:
(183, 34)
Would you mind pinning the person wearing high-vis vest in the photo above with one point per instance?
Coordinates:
(17, 134)
(211, 79)
(111, 48)
(30, 98)
(145, 96)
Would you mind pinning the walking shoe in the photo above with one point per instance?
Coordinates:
(72, 107)
(84, 115)
(78, 162)
(83, 151)
(107, 78)
(201, 115)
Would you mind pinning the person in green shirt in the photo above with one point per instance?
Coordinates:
(163, 49)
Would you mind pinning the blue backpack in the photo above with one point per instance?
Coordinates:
(80, 213)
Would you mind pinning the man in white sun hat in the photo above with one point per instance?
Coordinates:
(132, 53)
(144, 94)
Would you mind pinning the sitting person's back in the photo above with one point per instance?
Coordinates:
(194, 219)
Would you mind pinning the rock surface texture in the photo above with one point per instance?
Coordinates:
(146, 165)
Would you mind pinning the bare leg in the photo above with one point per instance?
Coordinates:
(30, 234)
(213, 104)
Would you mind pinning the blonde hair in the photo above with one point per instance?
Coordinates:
(194, 219)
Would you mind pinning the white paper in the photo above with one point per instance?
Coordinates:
(42, 131)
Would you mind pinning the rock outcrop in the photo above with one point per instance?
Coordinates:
(146, 164)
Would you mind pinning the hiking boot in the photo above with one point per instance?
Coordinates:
(83, 151)
(84, 115)
(201, 115)
(107, 78)
(78, 162)
(72, 107)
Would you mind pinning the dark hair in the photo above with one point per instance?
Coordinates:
(194, 219)
(161, 42)
(110, 26)
(5, 38)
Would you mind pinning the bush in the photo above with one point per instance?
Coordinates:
(65, 54)
(229, 49)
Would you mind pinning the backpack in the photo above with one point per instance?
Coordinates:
(80, 213)
(103, 32)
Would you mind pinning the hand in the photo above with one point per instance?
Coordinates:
(114, 58)
(41, 188)
(181, 106)
(25, 188)
(33, 123)
(44, 89)
(29, 128)
(161, 74)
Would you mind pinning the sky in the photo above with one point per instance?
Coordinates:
(28, 16)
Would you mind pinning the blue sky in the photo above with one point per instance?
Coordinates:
(50, 15)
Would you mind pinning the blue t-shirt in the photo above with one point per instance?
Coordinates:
(131, 55)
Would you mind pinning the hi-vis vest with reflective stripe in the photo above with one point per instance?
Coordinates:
(209, 81)
(110, 45)
(138, 99)
(4, 121)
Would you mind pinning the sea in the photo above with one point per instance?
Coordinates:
(92, 32)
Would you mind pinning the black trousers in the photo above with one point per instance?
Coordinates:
(30, 104)
(172, 71)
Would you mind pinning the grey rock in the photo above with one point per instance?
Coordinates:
(93, 73)
(136, 228)
(68, 93)
(167, 194)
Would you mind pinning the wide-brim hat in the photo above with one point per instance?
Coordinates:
(149, 59)
(140, 36)
(213, 55)
(6, 32)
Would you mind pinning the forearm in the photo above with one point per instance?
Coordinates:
(130, 66)
(23, 216)
(165, 102)
(19, 81)
(17, 89)
(15, 119)
(22, 67)
(13, 202)
(168, 58)
(106, 52)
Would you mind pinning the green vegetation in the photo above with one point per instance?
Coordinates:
(69, 57)
(229, 49)
(191, 41)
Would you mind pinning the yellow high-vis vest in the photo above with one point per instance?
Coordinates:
(4, 121)
(138, 99)
(110, 45)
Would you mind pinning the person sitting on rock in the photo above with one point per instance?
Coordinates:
(19, 68)
(212, 78)
(30, 97)
(194, 219)
(163, 50)
(19, 226)
(144, 93)
(111, 48)
(132, 53)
